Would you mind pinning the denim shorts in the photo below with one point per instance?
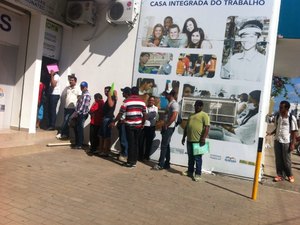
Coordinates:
(105, 130)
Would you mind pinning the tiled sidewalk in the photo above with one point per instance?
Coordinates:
(48, 186)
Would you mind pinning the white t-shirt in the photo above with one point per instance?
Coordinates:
(283, 134)
(56, 89)
(72, 96)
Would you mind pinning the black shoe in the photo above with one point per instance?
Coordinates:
(50, 128)
(129, 165)
(167, 167)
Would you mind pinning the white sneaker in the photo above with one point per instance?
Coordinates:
(197, 178)
(58, 136)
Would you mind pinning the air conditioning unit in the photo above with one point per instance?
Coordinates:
(81, 12)
(123, 12)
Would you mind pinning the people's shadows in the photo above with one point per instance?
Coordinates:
(111, 157)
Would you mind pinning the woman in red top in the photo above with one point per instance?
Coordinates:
(96, 112)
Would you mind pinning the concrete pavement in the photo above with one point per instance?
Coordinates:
(59, 186)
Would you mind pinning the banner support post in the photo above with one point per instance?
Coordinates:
(257, 168)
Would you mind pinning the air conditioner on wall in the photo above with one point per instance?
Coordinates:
(81, 12)
(123, 12)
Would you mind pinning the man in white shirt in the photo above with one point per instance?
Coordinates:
(285, 137)
(69, 96)
(53, 98)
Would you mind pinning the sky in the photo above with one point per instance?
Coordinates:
(292, 96)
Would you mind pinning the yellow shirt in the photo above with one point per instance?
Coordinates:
(195, 126)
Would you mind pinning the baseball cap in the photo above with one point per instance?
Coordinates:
(251, 26)
(126, 90)
(169, 92)
(83, 84)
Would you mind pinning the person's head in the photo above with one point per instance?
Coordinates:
(106, 90)
(98, 97)
(144, 57)
(169, 94)
(188, 90)
(284, 107)
(146, 84)
(189, 25)
(243, 97)
(249, 33)
(254, 97)
(72, 80)
(168, 21)
(126, 91)
(158, 31)
(135, 90)
(174, 31)
(83, 85)
(198, 106)
(197, 37)
(151, 101)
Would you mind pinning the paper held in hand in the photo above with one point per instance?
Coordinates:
(53, 67)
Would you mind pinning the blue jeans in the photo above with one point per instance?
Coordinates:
(192, 159)
(165, 153)
(65, 126)
(123, 139)
(79, 130)
(53, 100)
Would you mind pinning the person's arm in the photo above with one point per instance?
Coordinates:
(184, 135)
(204, 135)
(53, 82)
(293, 140)
(110, 99)
(171, 120)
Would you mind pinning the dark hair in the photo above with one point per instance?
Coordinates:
(198, 103)
(108, 88)
(174, 26)
(256, 96)
(146, 80)
(168, 17)
(244, 97)
(145, 53)
(184, 29)
(98, 96)
(134, 90)
(197, 45)
(253, 23)
(286, 104)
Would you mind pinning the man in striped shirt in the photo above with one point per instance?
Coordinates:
(134, 111)
(81, 114)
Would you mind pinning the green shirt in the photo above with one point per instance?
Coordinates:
(195, 126)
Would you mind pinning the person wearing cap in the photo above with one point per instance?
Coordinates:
(53, 99)
(167, 130)
(121, 128)
(250, 63)
(108, 116)
(245, 132)
(81, 114)
(134, 111)
(69, 98)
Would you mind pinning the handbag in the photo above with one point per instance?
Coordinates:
(200, 150)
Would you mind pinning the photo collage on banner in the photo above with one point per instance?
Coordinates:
(220, 60)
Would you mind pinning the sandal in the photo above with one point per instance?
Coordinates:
(278, 178)
(291, 179)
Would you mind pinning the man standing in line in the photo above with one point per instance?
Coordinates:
(167, 130)
(69, 95)
(81, 114)
(285, 136)
(196, 131)
(134, 110)
(53, 99)
(121, 127)
(148, 133)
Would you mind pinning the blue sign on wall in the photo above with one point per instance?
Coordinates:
(289, 26)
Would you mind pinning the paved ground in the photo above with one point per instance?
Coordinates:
(42, 185)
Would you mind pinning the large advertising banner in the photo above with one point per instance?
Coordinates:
(216, 51)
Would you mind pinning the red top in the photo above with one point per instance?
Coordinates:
(41, 89)
(96, 112)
